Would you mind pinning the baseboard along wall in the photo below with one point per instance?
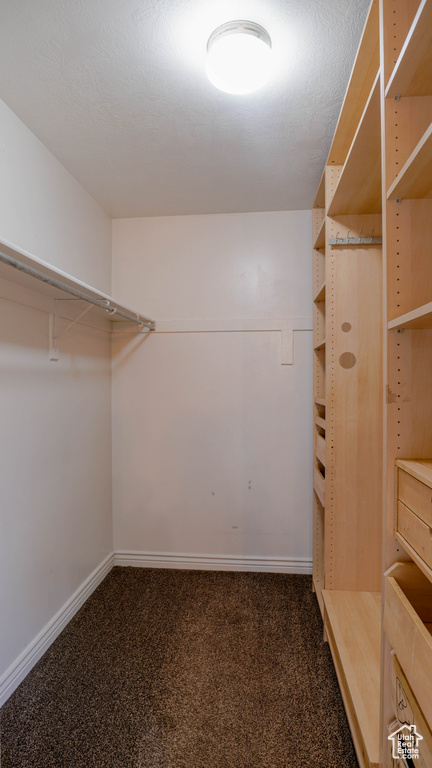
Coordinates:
(18, 670)
(213, 562)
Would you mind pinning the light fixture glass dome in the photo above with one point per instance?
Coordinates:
(239, 57)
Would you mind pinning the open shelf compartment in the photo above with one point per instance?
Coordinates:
(412, 74)
(415, 179)
(359, 186)
(353, 625)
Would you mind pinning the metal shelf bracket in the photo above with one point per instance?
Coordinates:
(53, 336)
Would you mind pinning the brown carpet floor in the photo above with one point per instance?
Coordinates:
(184, 669)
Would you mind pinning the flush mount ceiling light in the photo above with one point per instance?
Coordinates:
(239, 57)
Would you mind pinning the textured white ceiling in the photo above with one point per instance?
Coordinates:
(116, 89)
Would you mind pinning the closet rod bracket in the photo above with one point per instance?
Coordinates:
(53, 335)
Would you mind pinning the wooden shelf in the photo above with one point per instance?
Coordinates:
(354, 633)
(320, 449)
(359, 187)
(359, 87)
(349, 553)
(420, 318)
(320, 401)
(320, 296)
(320, 239)
(319, 485)
(412, 74)
(321, 423)
(415, 179)
(321, 345)
(319, 201)
(421, 469)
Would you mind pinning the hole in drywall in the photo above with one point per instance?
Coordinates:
(347, 360)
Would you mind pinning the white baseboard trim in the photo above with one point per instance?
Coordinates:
(17, 671)
(213, 562)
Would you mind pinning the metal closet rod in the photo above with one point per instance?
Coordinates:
(101, 303)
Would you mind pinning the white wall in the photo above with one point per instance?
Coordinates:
(55, 447)
(45, 211)
(211, 434)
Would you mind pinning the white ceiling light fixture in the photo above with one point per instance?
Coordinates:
(239, 57)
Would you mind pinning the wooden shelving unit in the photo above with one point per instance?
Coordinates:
(373, 385)
(319, 404)
(406, 58)
(348, 402)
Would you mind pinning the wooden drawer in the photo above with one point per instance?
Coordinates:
(408, 713)
(415, 495)
(408, 625)
(413, 524)
(417, 533)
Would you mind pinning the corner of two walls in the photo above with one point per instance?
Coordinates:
(46, 212)
(55, 451)
(212, 455)
(211, 458)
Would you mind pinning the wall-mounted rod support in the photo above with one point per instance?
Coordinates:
(105, 304)
(80, 316)
(53, 336)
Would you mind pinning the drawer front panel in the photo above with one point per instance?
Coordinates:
(410, 639)
(416, 532)
(415, 495)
